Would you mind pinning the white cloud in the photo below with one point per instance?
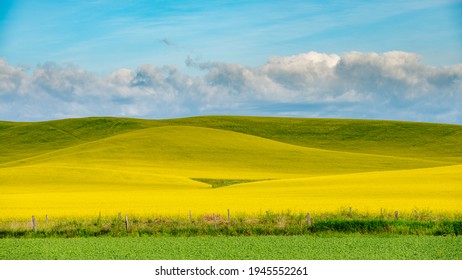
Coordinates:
(122, 77)
(11, 78)
(392, 85)
(67, 82)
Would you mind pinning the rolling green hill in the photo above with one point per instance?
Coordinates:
(395, 138)
(194, 151)
(22, 140)
(402, 139)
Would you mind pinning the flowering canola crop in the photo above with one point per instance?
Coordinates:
(149, 172)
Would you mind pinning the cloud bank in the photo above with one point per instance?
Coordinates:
(391, 85)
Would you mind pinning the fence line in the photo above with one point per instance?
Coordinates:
(217, 220)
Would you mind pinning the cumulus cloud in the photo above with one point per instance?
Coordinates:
(391, 85)
(11, 79)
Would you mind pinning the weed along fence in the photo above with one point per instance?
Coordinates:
(229, 224)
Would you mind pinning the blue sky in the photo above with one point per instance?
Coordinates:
(230, 57)
(106, 35)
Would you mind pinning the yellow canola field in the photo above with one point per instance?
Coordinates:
(148, 172)
(145, 193)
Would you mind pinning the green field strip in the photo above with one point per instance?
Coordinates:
(328, 247)
(218, 183)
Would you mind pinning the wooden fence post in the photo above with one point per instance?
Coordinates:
(396, 214)
(229, 216)
(308, 219)
(46, 218)
(215, 220)
(34, 224)
(126, 223)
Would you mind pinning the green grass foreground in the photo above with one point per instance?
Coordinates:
(327, 247)
(282, 224)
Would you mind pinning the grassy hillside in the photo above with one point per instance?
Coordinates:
(197, 151)
(83, 166)
(22, 140)
(362, 136)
